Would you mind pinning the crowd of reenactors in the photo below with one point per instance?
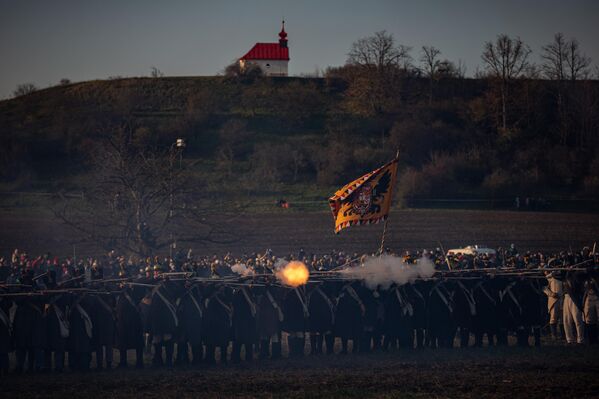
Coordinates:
(189, 310)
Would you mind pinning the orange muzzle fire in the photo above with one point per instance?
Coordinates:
(294, 274)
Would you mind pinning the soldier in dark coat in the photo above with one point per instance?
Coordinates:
(506, 311)
(268, 322)
(512, 303)
(164, 322)
(190, 312)
(440, 325)
(81, 332)
(217, 324)
(464, 309)
(416, 297)
(398, 319)
(485, 321)
(322, 319)
(371, 300)
(5, 336)
(57, 330)
(295, 311)
(349, 314)
(534, 305)
(129, 328)
(103, 320)
(244, 323)
(29, 333)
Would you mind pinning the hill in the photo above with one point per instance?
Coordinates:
(275, 137)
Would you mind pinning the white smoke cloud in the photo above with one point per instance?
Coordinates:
(242, 269)
(280, 263)
(386, 270)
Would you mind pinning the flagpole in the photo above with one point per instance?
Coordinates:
(382, 248)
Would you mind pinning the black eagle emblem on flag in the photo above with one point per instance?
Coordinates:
(366, 199)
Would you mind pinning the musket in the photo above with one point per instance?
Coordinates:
(141, 284)
(445, 254)
(59, 291)
(21, 294)
(246, 284)
(102, 281)
(345, 264)
(176, 274)
(71, 279)
(40, 276)
(15, 285)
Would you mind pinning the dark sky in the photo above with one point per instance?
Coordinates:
(46, 40)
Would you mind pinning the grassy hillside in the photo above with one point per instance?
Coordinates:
(300, 137)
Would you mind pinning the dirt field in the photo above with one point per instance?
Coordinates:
(551, 371)
(288, 231)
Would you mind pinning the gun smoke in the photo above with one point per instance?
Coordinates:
(385, 270)
(242, 270)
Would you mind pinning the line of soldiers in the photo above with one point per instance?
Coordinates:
(189, 321)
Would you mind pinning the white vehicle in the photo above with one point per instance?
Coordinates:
(473, 250)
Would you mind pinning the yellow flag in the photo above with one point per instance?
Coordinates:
(365, 200)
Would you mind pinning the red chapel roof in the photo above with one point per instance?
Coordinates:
(267, 51)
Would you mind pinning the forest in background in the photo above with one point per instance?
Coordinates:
(516, 129)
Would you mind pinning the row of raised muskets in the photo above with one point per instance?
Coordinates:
(180, 319)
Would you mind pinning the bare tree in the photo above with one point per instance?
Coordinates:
(505, 59)
(380, 52)
(373, 68)
(554, 58)
(24, 89)
(564, 61)
(429, 59)
(156, 73)
(577, 62)
(139, 197)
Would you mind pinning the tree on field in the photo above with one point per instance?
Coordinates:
(506, 59)
(578, 63)
(379, 52)
(141, 198)
(449, 69)
(156, 73)
(24, 89)
(247, 73)
(564, 61)
(554, 58)
(429, 59)
(374, 67)
(554, 67)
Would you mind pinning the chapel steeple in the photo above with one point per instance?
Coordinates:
(283, 36)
